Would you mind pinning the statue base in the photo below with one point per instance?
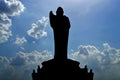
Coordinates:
(61, 69)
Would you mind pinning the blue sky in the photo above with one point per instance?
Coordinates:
(26, 38)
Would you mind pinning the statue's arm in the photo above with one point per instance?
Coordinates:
(52, 18)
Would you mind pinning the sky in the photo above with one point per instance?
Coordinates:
(26, 37)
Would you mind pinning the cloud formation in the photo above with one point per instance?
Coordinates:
(20, 41)
(8, 8)
(20, 66)
(104, 62)
(5, 24)
(11, 7)
(38, 29)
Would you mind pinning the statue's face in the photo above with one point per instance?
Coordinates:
(59, 11)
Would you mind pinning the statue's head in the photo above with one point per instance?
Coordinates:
(59, 11)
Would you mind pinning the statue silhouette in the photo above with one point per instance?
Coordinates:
(60, 24)
(60, 67)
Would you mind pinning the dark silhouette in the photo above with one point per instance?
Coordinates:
(91, 74)
(61, 67)
(38, 69)
(60, 25)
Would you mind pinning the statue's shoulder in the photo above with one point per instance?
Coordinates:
(66, 20)
(65, 17)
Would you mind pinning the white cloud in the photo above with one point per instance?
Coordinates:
(107, 55)
(38, 29)
(101, 61)
(21, 66)
(8, 8)
(111, 54)
(20, 41)
(4, 60)
(11, 7)
(5, 24)
(34, 57)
